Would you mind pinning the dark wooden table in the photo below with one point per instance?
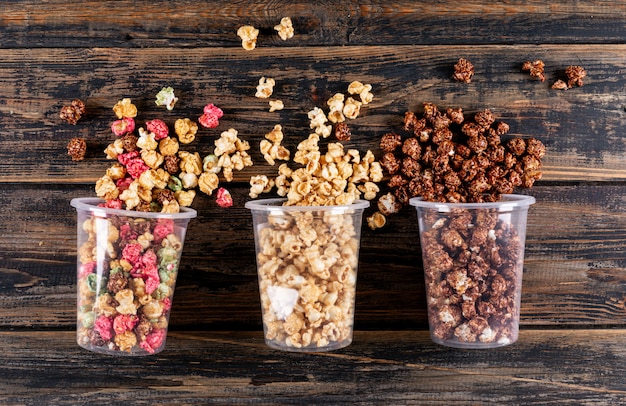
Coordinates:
(573, 329)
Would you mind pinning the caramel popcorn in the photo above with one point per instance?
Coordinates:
(276, 105)
(265, 88)
(363, 90)
(248, 35)
(285, 28)
(271, 147)
(307, 280)
(76, 148)
(186, 130)
(463, 71)
(125, 108)
(318, 122)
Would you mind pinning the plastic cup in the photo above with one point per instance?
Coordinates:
(473, 255)
(127, 264)
(307, 259)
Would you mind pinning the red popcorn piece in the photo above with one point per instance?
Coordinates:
(123, 184)
(211, 116)
(153, 340)
(162, 230)
(224, 198)
(104, 326)
(124, 322)
(132, 253)
(136, 167)
(124, 159)
(123, 126)
(112, 204)
(158, 127)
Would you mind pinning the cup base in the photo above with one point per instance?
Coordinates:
(118, 353)
(330, 347)
(470, 346)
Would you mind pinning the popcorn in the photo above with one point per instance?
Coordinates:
(158, 128)
(259, 184)
(276, 105)
(124, 126)
(248, 35)
(318, 122)
(211, 115)
(186, 130)
(73, 112)
(76, 148)
(265, 88)
(224, 198)
(285, 28)
(125, 108)
(364, 91)
(166, 98)
(271, 147)
(336, 104)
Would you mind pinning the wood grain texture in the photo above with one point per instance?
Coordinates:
(384, 367)
(214, 23)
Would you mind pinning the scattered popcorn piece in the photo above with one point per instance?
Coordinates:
(158, 127)
(77, 148)
(224, 198)
(285, 28)
(318, 122)
(166, 98)
(211, 115)
(125, 108)
(276, 105)
(335, 104)
(376, 220)
(271, 147)
(351, 108)
(208, 182)
(560, 85)
(73, 112)
(259, 184)
(364, 91)
(265, 88)
(248, 35)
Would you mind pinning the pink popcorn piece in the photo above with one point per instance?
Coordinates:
(132, 253)
(86, 269)
(224, 198)
(163, 228)
(136, 167)
(154, 340)
(123, 126)
(211, 116)
(158, 127)
(123, 184)
(112, 204)
(104, 326)
(124, 322)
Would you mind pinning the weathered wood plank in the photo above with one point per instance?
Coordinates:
(582, 127)
(214, 23)
(574, 263)
(548, 367)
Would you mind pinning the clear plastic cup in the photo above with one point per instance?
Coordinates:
(307, 259)
(127, 263)
(473, 256)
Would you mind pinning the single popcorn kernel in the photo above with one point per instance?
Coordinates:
(248, 35)
(166, 98)
(224, 198)
(265, 88)
(73, 112)
(535, 68)
(125, 108)
(463, 71)
(285, 28)
(211, 115)
(276, 105)
(575, 75)
(186, 130)
(77, 148)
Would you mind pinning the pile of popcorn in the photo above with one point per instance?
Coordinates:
(153, 173)
(448, 158)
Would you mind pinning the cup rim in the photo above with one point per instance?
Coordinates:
(276, 204)
(91, 204)
(506, 203)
